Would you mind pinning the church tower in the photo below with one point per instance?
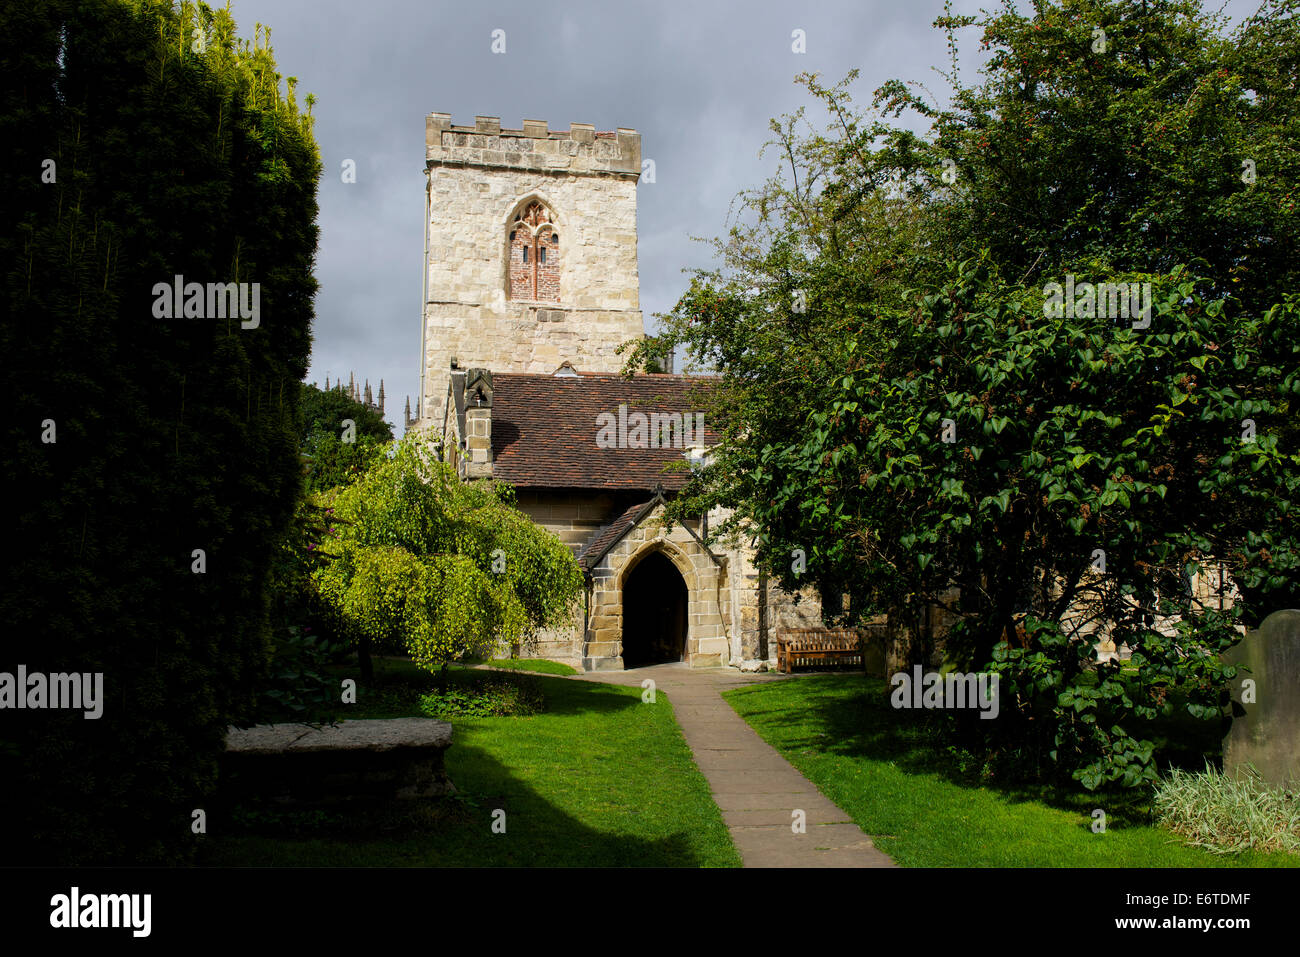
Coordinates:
(530, 251)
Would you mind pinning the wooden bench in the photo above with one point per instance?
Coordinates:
(808, 647)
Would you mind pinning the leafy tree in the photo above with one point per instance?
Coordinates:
(302, 640)
(887, 280)
(142, 141)
(1016, 456)
(655, 360)
(322, 417)
(1141, 135)
(324, 410)
(416, 560)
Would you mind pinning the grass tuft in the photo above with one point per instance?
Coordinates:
(1227, 813)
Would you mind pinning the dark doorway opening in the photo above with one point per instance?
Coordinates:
(654, 613)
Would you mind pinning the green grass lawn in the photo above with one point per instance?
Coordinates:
(540, 665)
(599, 779)
(893, 775)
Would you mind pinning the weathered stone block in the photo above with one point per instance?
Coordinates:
(401, 757)
(1265, 732)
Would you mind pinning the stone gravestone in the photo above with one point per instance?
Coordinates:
(1267, 734)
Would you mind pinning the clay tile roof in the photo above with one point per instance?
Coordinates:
(544, 430)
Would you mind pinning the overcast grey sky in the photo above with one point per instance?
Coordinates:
(699, 81)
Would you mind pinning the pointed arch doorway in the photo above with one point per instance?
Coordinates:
(655, 623)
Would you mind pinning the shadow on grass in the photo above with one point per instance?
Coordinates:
(851, 715)
(398, 685)
(436, 832)
(586, 782)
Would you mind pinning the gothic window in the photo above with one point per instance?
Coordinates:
(534, 268)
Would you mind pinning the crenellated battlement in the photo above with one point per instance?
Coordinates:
(580, 149)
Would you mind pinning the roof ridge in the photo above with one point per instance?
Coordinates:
(605, 375)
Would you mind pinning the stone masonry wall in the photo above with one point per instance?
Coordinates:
(575, 517)
(708, 598)
(478, 178)
(758, 607)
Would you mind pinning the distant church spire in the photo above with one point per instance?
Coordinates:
(360, 392)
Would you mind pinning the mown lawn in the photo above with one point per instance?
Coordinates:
(599, 779)
(540, 665)
(894, 776)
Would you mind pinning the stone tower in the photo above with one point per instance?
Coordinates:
(530, 251)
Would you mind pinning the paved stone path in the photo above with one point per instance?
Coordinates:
(756, 789)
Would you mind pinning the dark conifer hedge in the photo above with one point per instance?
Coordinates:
(173, 153)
